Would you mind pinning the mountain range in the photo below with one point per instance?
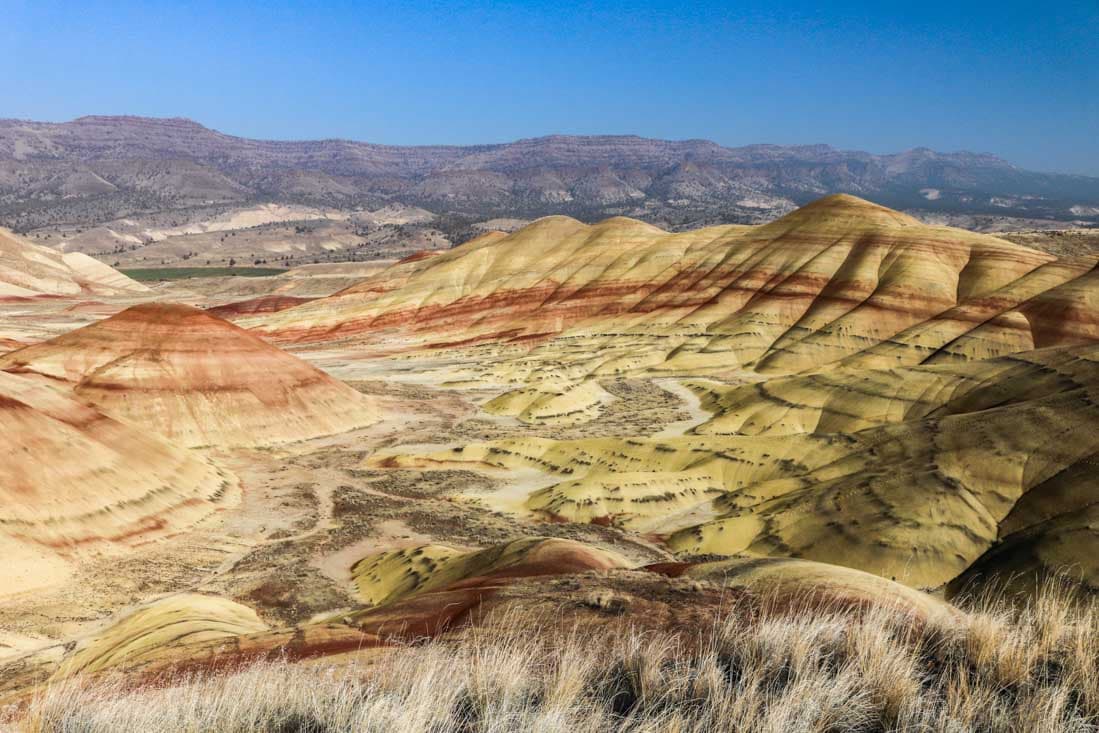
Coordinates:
(99, 168)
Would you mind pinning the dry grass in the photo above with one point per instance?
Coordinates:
(995, 669)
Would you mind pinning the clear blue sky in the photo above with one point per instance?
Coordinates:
(1020, 79)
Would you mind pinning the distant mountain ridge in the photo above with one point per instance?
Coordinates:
(96, 168)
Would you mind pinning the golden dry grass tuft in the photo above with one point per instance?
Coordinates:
(993, 668)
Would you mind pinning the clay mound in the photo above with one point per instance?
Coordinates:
(495, 285)
(195, 378)
(431, 590)
(832, 281)
(152, 634)
(844, 212)
(846, 401)
(27, 270)
(917, 499)
(1063, 549)
(534, 586)
(254, 306)
(176, 635)
(811, 585)
(567, 404)
(391, 576)
(76, 480)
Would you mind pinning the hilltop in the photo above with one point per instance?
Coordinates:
(28, 270)
(194, 378)
(708, 299)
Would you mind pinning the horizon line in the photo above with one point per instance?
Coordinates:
(501, 143)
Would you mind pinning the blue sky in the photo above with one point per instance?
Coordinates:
(1007, 77)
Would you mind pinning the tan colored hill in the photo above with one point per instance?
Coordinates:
(428, 591)
(28, 270)
(254, 306)
(439, 580)
(917, 499)
(523, 586)
(811, 583)
(494, 286)
(896, 395)
(824, 283)
(838, 282)
(391, 576)
(195, 378)
(143, 636)
(74, 481)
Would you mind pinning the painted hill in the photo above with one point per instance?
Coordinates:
(146, 635)
(254, 306)
(27, 270)
(919, 501)
(516, 587)
(908, 400)
(390, 576)
(74, 480)
(195, 378)
(838, 279)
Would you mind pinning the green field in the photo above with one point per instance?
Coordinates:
(148, 274)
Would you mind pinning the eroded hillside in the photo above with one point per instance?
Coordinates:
(879, 393)
(567, 426)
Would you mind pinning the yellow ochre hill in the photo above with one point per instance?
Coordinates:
(915, 401)
(838, 282)
(827, 281)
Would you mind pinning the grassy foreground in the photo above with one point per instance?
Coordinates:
(155, 274)
(992, 669)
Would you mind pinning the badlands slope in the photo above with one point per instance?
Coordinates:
(588, 427)
(909, 400)
(840, 280)
(195, 378)
(28, 270)
(518, 587)
(836, 278)
(75, 480)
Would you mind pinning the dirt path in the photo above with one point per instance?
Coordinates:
(690, 403)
